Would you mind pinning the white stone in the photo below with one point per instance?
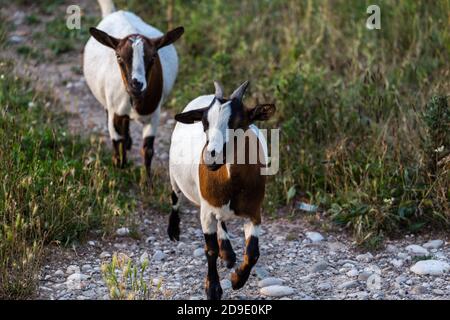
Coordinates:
(225, 284)
(159, 255)
(397, 263)
(353, 273)
(72, 269)
(433, 244)
(430, 267)
(271, 281)
(276, 291)
(143, 258)
(86, 268)
(367, 257)
(199, 252)
(59, 273)
(314, 236)
(416, 250)
(122, 231)
(105, 255)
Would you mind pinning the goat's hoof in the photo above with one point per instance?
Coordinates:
(173, 232)
(213, 291)
(238, 280)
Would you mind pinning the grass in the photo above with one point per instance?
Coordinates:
(126, 280)
(55, 186)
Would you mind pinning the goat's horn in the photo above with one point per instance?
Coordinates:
(219, 90)
(239, 92)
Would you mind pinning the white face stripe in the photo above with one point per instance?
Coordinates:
(218, 117)
(138, 66)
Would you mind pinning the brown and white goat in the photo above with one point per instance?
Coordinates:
(130, 68)
(206, 167)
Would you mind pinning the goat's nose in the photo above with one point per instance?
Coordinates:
(136, 85)
(213, 153)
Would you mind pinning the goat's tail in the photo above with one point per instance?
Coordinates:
(107, 7)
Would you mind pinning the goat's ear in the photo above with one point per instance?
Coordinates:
(262, 112)
(169, 38)
(104, 38)
(189, 117)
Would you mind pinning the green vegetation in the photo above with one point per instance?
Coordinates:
(126, 281)
(55, 186)
(364, 117)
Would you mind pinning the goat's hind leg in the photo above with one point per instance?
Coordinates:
(148, 135)
(173, 229)
(226, 251)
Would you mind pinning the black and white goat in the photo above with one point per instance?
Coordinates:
(130, 68)
(205, 169)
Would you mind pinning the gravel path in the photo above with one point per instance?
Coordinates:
(295, 262)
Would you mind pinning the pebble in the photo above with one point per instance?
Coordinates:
(277, 291)
(324, 286)
(72, 269)
(348, 284)
(416, 250)
(419, 290)
(105, 255)
(439, 292)
(59, 273)
(123, 231)
(261, 272)
(16, 39)
(430, 267)
(271, 281)
(143, 258)
(199, 252)
(314, 236)
(391, 248)
(365, 275)
(403, 255)
(86, 268)
(398, 263)
(433, 244)
(401, 279)
(319, 266)
(225, 284)
(352, 273)
(367, 257)
(158, 255)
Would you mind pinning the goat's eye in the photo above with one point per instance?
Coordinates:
(119, 58)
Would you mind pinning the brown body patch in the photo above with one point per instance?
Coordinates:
(243, 187)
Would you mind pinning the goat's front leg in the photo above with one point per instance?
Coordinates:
(148, 134)
(251, 255)
(226, 250)
(212, 284)
(119, 131)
